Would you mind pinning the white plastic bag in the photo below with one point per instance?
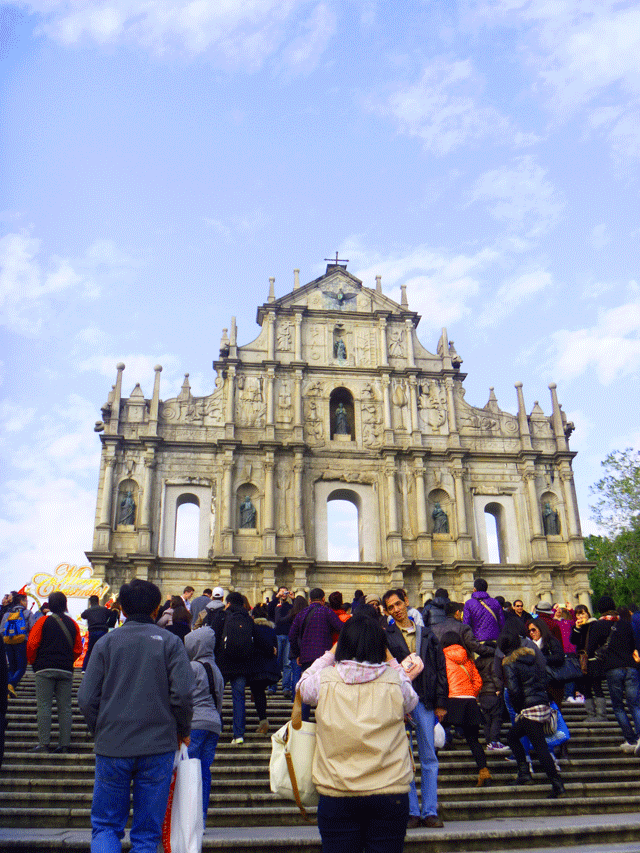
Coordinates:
(439, 736)
(183, 829)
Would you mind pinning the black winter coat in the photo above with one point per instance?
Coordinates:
(525, 679)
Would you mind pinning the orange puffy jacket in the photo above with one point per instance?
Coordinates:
(462, 675)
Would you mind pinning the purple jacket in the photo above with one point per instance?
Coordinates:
(485, 625)
(310, 637)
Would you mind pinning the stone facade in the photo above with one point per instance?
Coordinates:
(337, 399)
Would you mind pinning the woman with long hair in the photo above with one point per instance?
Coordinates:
(300, 603)
(362, 768)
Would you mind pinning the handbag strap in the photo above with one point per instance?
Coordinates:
(212, 689)
(65, 630)
(296, 723)
(486, 607)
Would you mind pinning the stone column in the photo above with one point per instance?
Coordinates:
(556, 419)
(421, 498)
(386, 409)
(461, 510)
(227, 498)
(408, 325)
(533, 502)
(413, 403)
(384, 358)
(572, 516)
(149, 465)
(114, 421)
(231, 390)
(392, 504)
(269, 395)
(271, 337)
(454, 438)
(523, 422)
(298, 515)
(298, 338)
(268, 530)
(107, 491)
(155, 403)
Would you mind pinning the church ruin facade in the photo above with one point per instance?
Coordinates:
(337, 399)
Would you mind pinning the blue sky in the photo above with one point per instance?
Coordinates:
(162, 159)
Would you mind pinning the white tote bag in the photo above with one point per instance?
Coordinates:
(183, 829)
(292, 750)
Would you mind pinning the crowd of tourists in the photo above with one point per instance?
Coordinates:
(375, 668)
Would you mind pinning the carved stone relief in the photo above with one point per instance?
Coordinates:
(284, 483)
(400, 404)
(432, 407)
(284, 336)
(396, 343)
(285, 405)
(251, 405)
(313, 422)
(371, 417)
(317, 342)
(363, 348)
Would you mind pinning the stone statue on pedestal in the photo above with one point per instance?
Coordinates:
(340, 350)
(440, 520)
(127, 514)
(247, 514)
(550, 521)
(342, 421)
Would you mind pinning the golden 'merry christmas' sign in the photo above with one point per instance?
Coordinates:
(73, 581)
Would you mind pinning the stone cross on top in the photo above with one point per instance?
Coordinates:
(337, 261)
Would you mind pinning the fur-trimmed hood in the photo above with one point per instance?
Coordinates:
(527, 655)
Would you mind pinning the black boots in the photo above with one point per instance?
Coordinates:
(557, 789)
(524, 775)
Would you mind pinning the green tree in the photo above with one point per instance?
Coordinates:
(617, 570)
(618, 505)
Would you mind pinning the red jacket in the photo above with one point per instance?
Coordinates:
(48, 647)
(462, 674)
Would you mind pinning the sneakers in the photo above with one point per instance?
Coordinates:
(12, 691)
(575, 700)
(237, 741)
(496, 746)
(636, 751)
(432, 821)
(263, 727)
(628, 747)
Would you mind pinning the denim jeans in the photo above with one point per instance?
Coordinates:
(283, 663)
(372, 824)
(238, 685)
(623, 685)
(17, 661)
(425, 723)
(296, 672)
(203, 746)
(151, 775)
(94, 636)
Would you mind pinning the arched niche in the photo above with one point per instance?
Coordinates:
(439, 496)
(363, 497)
(342, 397)
(550, 498)
(127, 504)
(250, 491)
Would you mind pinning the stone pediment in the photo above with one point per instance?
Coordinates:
(336, 291)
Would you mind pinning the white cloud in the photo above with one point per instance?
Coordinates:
(611, 348)
(439, 286)
(585, 53)
(248, 225)
(600, 236)
(512, 294)
(237, 33)
(30, 286)
(441, 108)
(14, 418)
(520, 195)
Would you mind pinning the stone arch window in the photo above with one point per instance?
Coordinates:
(341, 406)
(127, 504)
(191, 501)
(344, 526)
(496, 533)
(187, 526)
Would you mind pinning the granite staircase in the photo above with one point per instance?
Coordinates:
(45, 799)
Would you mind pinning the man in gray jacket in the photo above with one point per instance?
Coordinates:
(136, 698)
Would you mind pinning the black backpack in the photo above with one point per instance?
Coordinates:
(237, 635)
